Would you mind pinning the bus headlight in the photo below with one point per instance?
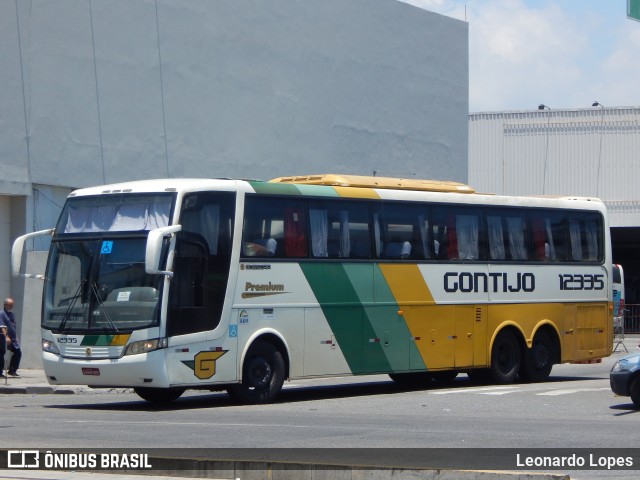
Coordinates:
(50, 346)
(144, 346)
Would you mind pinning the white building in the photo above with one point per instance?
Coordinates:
(100, 92)
(590, 152)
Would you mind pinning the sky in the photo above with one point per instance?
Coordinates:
(563, 53)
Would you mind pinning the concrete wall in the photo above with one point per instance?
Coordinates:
(97, 92)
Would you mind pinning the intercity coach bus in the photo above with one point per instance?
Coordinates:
(167, 285)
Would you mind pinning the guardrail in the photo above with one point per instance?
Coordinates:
(631, 318)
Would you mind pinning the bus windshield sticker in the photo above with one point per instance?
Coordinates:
(123, 296)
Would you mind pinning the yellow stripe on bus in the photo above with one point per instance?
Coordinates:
(417, 306)
(119, 340)
(406, 283)
(353, 192)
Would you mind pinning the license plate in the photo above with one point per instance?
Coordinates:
(91, 371)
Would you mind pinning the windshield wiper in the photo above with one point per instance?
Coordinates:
(94, 289)
(67, 314)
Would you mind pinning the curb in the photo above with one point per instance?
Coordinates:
(358, 465)
(275, 470)
(35, 390)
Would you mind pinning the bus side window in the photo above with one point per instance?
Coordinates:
(403, 232)
(497, 250)
(583, 236)
(339, 229)
(439, 235)
(189, 265)
(201, 264)
(550, 237)
(516, 237)
(507, 234)
(295, 232)
(540, 253)
(458, 233)
(468, 230)
(559, 238)
(274, 227)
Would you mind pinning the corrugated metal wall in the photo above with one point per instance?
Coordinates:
(587, 152)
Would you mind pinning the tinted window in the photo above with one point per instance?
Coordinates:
(274, 227)
(340, 229)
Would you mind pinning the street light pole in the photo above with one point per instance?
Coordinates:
(598, 104)
(542, 106)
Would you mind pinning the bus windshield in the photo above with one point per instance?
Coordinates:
(99, 285)
(115, 213)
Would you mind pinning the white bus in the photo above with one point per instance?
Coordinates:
(618, 298)
(167, 285)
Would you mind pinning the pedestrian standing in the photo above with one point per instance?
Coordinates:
(8, 319)
(4, 339)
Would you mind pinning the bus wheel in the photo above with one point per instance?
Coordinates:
(444, 376)
(158, 395)
(634, 391)
(538, 360)
(411, 379)
(262, 375)
(505, 357)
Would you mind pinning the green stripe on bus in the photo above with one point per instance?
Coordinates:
(317, 190)
(297, 189)
(381, 311)
(346, 315)
(275, 188)
(97, 340)
(402, 351)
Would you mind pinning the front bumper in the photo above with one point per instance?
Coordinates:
(620, 382)
(144, 370)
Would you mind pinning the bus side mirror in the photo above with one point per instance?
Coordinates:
(18, 248)
(154, 249)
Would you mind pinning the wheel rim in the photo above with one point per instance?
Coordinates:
(506, 358)
(260, 373)
(540, 355)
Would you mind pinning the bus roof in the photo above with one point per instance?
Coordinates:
(361, 181)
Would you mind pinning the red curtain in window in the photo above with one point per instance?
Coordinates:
(538, 238)
(295, 242)
(452, 238)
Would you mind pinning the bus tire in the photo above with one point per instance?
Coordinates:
(506, 358)
(538, 360)
(411, 379)
(158, 395)
(263, 374)
(634, 391)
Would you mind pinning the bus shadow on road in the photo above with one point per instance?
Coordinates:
(625, 409)
(194, 399)
(292, 393)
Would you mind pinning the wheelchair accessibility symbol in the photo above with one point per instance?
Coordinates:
(107, 246)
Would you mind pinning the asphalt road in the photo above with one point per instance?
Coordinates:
(574, 410)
